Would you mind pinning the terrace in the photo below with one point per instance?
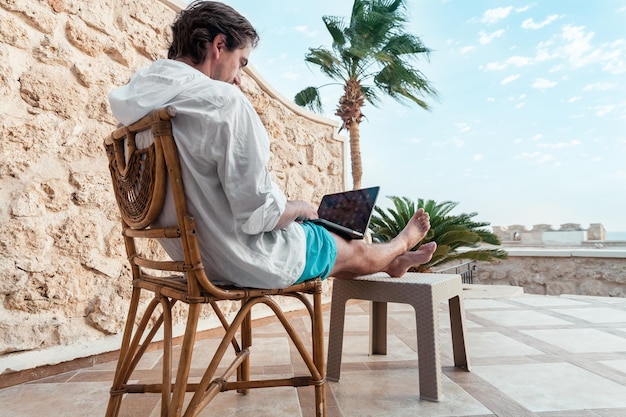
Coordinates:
(531, 355)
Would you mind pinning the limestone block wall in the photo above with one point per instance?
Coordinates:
(63, 276)
(554, 272)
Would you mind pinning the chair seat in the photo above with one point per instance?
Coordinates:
(424, 292)
(177, 288)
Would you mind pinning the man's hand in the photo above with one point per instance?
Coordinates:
(296, 210)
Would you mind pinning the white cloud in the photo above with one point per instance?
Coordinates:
(463, 127)
(519, 61)
(578, 49)
(486, 38)
(604, 110)
(537, 137)
(478, 157)
(574, 47)
(556, 68)
(560, 145)
(516, 61)
(490, 99)
(306, 31)
(537, 157)
(492, 16)
(544, 53)
(616, 65)
(290, 74)
(574, 99)
(467, 49)
(542, 84)
(496, 66)
(600, 86)
(509, 79)
(530, 23)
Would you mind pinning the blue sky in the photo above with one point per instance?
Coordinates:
(530, 124)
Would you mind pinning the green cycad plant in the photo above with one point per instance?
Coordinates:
(457, 236)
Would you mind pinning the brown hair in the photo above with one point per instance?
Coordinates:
(200, 22)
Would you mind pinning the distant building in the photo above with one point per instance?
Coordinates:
(569, 234)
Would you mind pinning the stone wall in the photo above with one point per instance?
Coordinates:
(555, 272)
(63, 275)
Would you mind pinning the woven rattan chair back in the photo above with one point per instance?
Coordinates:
(142, 176)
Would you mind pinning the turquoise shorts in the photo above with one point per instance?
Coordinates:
(321, 252)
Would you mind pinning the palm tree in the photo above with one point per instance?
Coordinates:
(451, 232)
(371, 56)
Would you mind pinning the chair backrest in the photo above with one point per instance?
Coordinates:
(141, 175)
(138, 175)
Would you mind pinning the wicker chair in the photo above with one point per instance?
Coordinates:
(140, 179)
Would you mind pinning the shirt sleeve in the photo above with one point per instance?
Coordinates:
(256, 201)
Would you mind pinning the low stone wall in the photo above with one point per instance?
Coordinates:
(64, 280)
(594, 272)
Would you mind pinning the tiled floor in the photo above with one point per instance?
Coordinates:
(530, 356)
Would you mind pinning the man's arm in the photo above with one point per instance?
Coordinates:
(295, 209)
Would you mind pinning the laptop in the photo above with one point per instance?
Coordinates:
(348, 213)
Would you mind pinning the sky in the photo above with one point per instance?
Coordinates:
(529, 126)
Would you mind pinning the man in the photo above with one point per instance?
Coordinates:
(246, 227)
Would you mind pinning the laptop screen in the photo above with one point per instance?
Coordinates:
(351, 209)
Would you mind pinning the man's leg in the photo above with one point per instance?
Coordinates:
(356, 257)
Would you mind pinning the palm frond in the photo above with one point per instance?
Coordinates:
(309, 98)
(327, 62)
(336, 27)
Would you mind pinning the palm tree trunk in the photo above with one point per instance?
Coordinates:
(355, 155)
(349, 109)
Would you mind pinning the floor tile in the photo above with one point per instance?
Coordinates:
(548, 301)
(283, 402)
(554, 386)
(520, 318)
(396, 393)
(54, 400)
(480, 303)
(356, 349)
(490, 344)
(596, 315)
(620, 365)
(580, 340)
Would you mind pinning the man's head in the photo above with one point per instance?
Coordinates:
(208, 30)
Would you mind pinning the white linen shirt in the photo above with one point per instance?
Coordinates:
(224, 151)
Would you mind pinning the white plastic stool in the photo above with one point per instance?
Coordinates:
(424, 292)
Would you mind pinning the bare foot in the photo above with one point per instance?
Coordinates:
(402, 263)
(415, 229)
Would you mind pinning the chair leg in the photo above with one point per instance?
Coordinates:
(378, 328)
(184, 363)
(318, 354)
(243, 371)
(429, 362)
(135, 343)
(166, 390)
(335, 334)
(115, 399)
(457, 329)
